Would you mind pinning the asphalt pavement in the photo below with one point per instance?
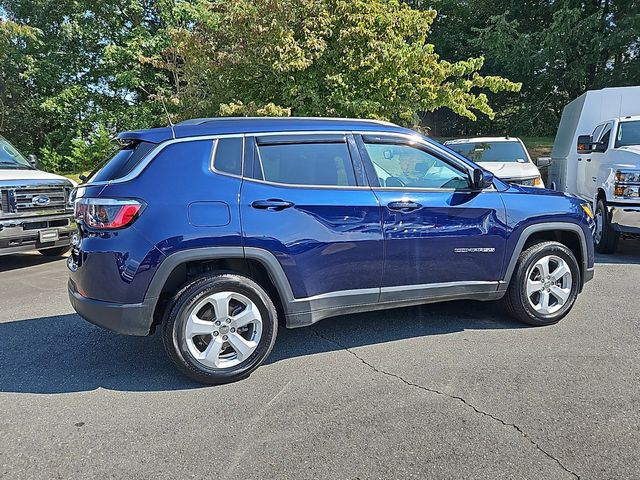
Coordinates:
(455, 390)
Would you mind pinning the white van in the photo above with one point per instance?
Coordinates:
(506, 157)
(596, 156)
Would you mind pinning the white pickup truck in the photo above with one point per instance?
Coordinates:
(596, 156)
(35, 207)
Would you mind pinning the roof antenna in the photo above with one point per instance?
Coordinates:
(164, 106)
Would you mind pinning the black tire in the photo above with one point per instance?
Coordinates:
(174, 324)
(515, 300)
(55, 252)
(608, 241)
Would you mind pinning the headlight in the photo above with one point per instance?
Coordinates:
(627, 184)
(627, 177)
(531, 182)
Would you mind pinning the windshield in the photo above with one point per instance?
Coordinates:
(10, 158)
(491, 151)
(628, 134)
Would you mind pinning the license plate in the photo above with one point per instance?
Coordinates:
(48, 236)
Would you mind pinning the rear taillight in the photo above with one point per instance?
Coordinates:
(107, 213)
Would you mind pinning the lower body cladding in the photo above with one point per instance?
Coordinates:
(137, 319)
(625, 218)
(306, 311)
(37, 233)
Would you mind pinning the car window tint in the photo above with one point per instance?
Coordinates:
(606, 135)
(406, 166)
(228, 155)
(123, 162)
(597, 131)
(307, 164)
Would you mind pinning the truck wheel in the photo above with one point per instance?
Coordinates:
(55, 252)
(605, 238)
(219, 328)
(544, 284)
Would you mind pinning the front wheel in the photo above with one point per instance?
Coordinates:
(544, 285)
(605, 238)
(219, 328)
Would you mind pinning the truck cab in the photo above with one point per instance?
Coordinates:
(596, 156)
(608, 174)
(36, 212)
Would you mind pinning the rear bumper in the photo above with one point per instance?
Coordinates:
(625, 219)
(127, 319)
(23, 234)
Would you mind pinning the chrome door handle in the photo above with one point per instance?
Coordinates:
(404, 206)
(273, 204)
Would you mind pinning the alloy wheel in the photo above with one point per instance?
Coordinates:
(548, 286)
(223, 329)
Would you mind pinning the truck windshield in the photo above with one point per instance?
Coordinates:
(491, 151)
(628, 134)
(10, 158)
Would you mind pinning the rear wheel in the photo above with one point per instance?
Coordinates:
(605, 238)
(544, 285)
(219, 328)
(55, 252)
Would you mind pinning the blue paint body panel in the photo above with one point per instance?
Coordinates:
(330, 239)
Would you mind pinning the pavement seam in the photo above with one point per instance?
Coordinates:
(453, 397)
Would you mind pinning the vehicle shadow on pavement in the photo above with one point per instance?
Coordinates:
(23, 260)
(384, 326)
(66, 354)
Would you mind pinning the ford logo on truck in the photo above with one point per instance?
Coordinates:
(40, 200)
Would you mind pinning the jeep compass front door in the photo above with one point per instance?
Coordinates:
(441, 236)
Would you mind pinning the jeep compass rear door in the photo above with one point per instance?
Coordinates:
(306, 201)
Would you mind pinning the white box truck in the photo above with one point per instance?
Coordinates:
(596, 156)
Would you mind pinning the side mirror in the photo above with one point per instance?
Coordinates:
(543, 162)
(481, 179)
(585, 144)
(33, 160)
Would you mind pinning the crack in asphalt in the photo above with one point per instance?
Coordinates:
(453, 397)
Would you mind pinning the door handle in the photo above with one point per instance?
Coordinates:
(407, 206)
(588, 159)
(273, 204)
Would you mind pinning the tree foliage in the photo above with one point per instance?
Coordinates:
(357, 58)
(77, 71)
(557, 49)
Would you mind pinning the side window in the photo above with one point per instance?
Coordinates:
(326, 164)
(606, 136)
(596, 132)
(228, 155)
(407, 166)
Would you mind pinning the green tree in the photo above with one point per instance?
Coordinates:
(360, 58)
(78, 77)
(557, 50)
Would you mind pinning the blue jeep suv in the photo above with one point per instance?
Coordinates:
(213, 230)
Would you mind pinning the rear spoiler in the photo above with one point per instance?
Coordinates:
(153, 135)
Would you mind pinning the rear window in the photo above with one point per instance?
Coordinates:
(326, 164)
(122, 162)
(491, 151)
(228, 155)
